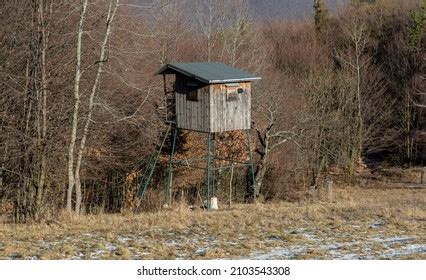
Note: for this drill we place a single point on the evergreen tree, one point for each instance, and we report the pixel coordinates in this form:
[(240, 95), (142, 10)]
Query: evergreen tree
[(417, 25), (321, 18)]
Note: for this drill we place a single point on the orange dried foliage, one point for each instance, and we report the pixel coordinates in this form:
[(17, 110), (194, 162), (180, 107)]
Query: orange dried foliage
[(130, 190), (194, 146), (6, 208), (230, 146)]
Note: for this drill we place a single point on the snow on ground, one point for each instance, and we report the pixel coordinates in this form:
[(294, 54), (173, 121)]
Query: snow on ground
[(392, 248), (307, 244), (379, 246)]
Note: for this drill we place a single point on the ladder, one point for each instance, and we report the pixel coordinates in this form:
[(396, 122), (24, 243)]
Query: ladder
[(169, 117), (170, 114), (169, 92), (146, 177)]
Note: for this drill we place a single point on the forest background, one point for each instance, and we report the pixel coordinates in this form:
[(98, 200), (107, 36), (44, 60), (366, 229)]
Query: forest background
[(342, 90)]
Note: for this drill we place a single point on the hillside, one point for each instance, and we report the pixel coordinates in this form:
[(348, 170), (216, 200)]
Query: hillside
[(287, 9)]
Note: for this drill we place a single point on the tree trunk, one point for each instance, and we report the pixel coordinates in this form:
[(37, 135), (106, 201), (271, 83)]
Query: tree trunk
[(261, 167), (42, 142), (359, 105), (102, 58), (260, 175), (73, 136), (24, 203)]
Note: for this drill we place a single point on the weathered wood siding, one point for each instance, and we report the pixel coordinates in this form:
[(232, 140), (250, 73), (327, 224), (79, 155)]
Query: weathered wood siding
[(212, 112), (193, 115), (229, 115)]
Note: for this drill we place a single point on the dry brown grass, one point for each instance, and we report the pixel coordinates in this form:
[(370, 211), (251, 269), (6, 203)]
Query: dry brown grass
[(229, 233)]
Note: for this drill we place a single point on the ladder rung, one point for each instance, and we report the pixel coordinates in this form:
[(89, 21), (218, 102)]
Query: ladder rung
[(149, 171)]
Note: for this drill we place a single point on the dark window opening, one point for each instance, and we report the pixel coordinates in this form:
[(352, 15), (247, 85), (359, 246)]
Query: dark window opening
[(192, 94)]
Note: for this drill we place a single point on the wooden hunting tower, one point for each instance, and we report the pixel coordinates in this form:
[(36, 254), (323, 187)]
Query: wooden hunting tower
[(207, 97), (210, 96)]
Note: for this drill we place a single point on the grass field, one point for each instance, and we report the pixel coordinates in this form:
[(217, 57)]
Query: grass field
[(355, 223)]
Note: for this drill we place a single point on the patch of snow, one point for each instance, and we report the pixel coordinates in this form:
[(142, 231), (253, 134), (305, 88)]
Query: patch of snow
[(393, 240), (79, 256), (124, 239), (377, 224), (110, 247), (404, 251), (352, 250), (310, 236), (279, 253), (172, 242), (242, 237), (201, 251), (96, 254), (349, 257)]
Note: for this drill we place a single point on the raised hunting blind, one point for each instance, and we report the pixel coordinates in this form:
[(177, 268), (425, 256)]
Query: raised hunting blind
[(206, 97), (210, 96)]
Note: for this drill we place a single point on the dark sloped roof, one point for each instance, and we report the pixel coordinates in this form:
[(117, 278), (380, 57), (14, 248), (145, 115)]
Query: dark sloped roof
[(209, 72)]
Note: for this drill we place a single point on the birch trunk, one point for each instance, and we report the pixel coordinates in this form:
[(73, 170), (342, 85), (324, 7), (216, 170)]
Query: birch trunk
[(73, 136), (102, 58), (359, 50), (43, 134)]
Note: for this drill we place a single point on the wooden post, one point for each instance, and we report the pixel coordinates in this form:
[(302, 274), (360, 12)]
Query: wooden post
[(312, 193), (230, 184), (214, 204), (329, 190), (169, 183)]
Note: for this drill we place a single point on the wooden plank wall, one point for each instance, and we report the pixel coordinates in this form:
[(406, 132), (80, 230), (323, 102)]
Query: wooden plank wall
[(229, 115), (193, 115), (212, 112)]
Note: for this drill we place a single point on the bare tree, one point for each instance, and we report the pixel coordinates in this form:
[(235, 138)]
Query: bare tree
[(209, 15), (74, 172), (272, 129), (237, 32), (422, 103), (354, 59), (44, 10), (73, 136), (168, 21)]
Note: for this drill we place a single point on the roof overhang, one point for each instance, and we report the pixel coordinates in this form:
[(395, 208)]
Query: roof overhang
[(165, 69)]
